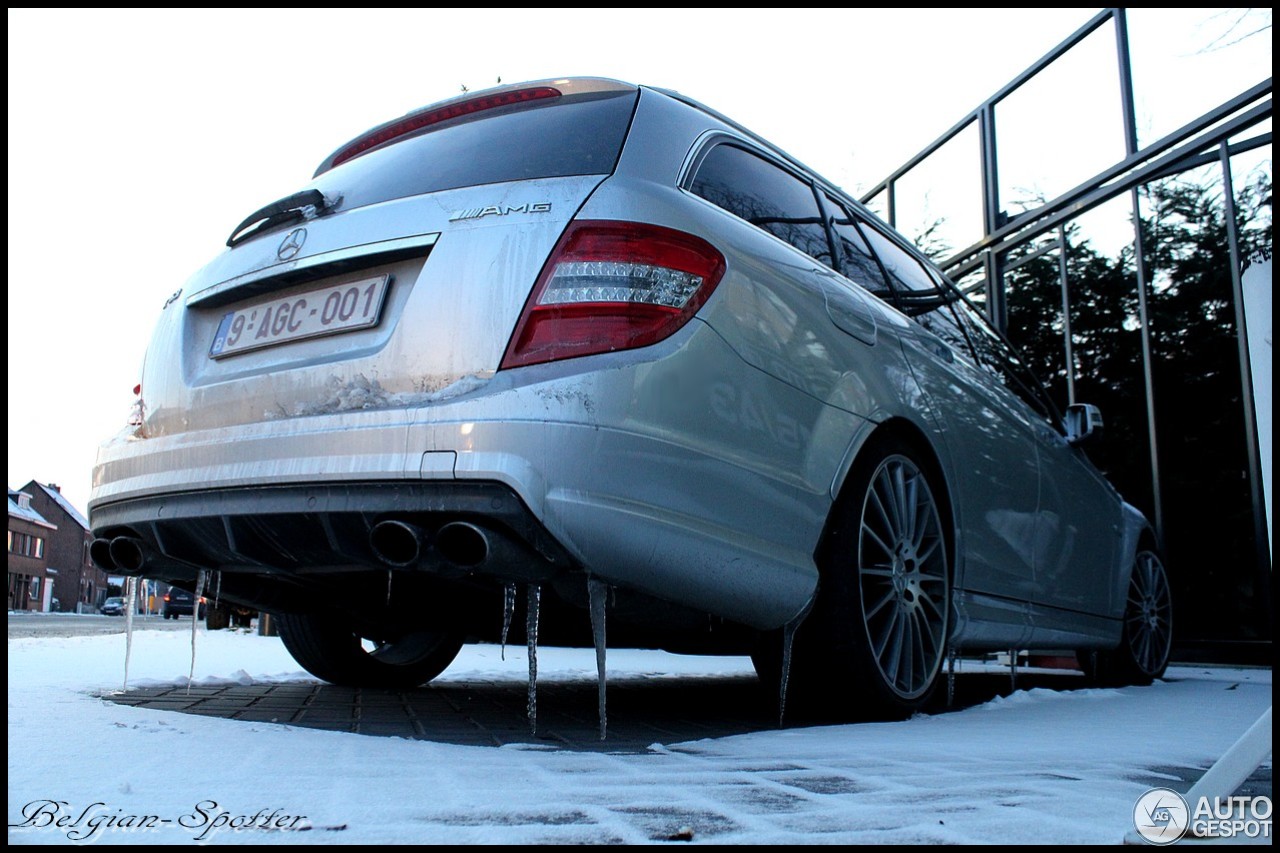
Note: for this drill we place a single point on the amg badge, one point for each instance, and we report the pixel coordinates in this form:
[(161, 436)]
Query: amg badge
[(501, 210)]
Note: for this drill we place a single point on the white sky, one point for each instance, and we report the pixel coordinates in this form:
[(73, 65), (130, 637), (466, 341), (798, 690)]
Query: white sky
[(1036, 766), (138, 139)]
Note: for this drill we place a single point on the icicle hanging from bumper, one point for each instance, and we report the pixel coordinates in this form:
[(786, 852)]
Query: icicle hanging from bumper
[(195, 623), (130, 605), (534, 593), (597, 592), (508, 609)]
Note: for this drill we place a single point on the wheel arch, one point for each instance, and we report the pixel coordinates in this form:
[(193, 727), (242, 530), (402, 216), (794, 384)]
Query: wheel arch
[(903, 430)]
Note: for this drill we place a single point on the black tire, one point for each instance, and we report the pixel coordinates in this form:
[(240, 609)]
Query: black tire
[(327, 646), (883, 605), (1147, 636)]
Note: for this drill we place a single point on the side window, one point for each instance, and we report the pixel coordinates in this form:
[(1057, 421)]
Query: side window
[(856, 261), (919, 294), (765, 195)]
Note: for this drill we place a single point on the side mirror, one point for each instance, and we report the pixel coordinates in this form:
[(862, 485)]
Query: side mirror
[(1083, 423)]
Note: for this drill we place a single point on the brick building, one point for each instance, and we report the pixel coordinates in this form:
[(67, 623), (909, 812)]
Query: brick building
[(30, 586), (78, 585)]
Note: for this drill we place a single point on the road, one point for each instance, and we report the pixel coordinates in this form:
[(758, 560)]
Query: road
[(23, 624)]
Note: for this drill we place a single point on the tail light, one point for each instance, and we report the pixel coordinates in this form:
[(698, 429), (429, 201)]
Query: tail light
[(613, 286), (166, 596)]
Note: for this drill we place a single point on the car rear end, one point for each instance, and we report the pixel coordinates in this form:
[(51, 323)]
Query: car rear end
[(435, 362)]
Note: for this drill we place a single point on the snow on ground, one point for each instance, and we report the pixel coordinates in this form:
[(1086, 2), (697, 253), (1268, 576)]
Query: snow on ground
[(1039, 766)]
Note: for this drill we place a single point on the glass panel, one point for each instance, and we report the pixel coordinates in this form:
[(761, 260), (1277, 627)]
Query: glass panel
[(1188, 61), (1036, 324), (939, 202), (1062, 126), (1106, 345), (1208, 515)]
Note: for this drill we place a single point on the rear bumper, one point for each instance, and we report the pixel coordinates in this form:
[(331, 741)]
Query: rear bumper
[(672, 471)]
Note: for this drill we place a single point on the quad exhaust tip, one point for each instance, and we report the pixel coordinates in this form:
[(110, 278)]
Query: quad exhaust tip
[(463, 543), (397, 543), (100, 554), (127, 553)]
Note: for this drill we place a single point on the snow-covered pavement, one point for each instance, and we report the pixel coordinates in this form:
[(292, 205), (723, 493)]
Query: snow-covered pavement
[(1039, 766)]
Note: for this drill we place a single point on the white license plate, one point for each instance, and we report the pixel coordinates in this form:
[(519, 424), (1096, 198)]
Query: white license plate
[(323, 311)]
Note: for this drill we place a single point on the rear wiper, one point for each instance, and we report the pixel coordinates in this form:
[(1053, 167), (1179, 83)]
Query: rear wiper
[(307, 204)]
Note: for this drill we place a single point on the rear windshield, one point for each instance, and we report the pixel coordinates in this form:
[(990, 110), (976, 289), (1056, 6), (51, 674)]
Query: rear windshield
[(578, 136)]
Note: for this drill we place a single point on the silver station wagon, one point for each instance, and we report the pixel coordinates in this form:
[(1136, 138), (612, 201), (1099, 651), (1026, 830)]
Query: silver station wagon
[(596, 345)]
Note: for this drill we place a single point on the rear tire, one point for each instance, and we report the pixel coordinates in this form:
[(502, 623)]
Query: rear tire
[(883, 607), (330, 648)]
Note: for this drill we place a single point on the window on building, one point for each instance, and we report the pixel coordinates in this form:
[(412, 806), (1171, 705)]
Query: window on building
[(26, 545)]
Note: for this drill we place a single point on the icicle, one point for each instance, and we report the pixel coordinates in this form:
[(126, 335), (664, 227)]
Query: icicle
[(1013, 670), (388, 587), (951, 675), (130, 597), (217, 590), (195, 621), (534, 593), (508, 608), (596, 593), (788, 638)]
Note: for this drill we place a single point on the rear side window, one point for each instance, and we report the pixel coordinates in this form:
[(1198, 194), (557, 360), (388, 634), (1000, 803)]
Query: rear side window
[(582, 135), (765, 195), (856, 260)]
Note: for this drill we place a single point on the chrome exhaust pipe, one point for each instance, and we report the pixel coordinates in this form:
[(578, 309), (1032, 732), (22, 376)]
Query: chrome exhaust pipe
[(463, 544), (128, 553), (397, 543), (100, 554)]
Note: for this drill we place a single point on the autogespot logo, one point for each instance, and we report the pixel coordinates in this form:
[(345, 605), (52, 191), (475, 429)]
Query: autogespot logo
[(1161, 816)]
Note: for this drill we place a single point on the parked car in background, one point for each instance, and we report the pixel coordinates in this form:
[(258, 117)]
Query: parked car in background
[(583, 336), (180, 602), (113, 606)]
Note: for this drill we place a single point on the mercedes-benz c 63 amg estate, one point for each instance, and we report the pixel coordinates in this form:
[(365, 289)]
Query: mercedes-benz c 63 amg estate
[(602, 343)]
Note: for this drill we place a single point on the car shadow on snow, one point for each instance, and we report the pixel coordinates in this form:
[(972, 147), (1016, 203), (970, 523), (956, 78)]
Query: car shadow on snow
[(641, 711)]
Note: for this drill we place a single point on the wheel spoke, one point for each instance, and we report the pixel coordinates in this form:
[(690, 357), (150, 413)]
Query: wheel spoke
[(889, 502), (898, 644), (933, 605), (927, 633), (908, 653), (883, 547), (899, 499), (883, 513), (884, 636), (890, 595), (923, 556), (911, 508)]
